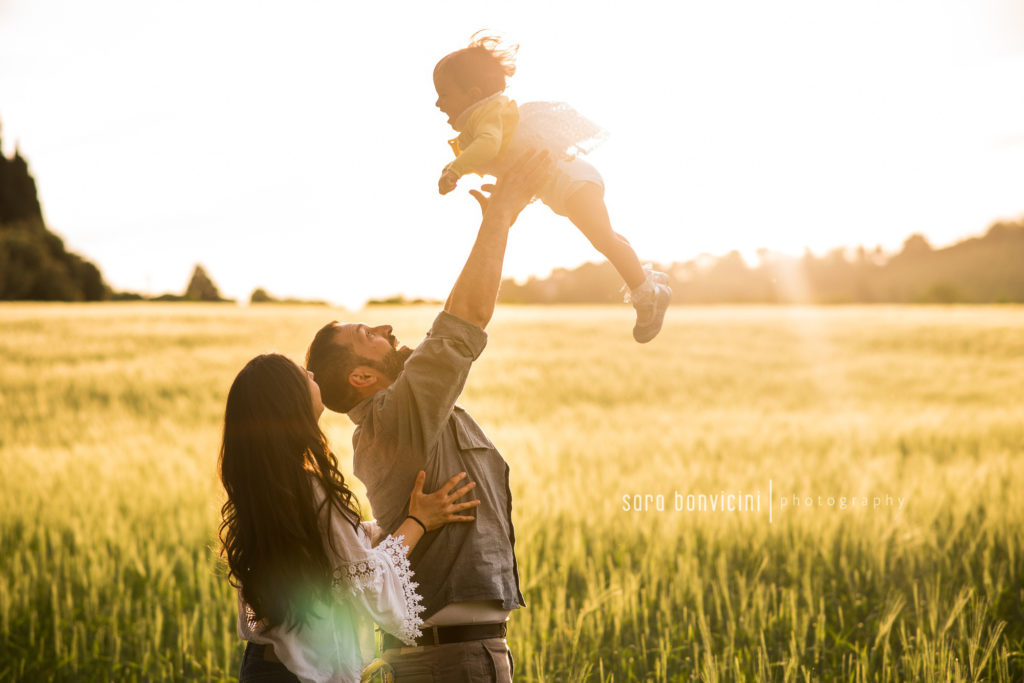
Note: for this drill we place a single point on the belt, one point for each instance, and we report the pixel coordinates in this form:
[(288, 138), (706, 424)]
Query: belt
[(442, 635)]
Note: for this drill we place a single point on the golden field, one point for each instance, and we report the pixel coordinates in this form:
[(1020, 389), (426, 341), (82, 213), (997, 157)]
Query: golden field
[(110, 424)]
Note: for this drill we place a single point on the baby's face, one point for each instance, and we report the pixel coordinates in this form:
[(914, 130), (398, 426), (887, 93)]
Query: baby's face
[(451, 99)]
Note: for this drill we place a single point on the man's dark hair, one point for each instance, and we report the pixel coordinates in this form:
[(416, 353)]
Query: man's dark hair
[(331, 363)]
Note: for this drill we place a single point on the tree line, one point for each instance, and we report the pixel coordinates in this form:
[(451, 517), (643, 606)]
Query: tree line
[(986, 269), (34, 264)]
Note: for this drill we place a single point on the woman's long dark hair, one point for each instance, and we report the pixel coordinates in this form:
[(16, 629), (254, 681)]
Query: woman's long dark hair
[(269, 530)]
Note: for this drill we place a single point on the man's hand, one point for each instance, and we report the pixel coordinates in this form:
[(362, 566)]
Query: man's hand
[(474, 293), (517, 188), (483, 199), (447, 182)]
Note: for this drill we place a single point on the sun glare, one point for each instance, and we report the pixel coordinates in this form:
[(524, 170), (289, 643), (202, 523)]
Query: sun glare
[(733, 127)]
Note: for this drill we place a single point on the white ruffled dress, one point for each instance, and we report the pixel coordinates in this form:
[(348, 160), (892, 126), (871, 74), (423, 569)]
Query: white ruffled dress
[(558, 128), (566, 135)]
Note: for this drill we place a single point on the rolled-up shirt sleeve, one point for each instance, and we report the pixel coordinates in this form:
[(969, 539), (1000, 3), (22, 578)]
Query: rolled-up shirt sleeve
[(416, 407)]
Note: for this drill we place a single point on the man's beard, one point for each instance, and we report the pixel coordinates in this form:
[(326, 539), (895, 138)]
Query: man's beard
[(394, 362)]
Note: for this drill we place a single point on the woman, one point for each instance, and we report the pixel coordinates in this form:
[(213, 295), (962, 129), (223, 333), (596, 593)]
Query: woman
[(309, 574)]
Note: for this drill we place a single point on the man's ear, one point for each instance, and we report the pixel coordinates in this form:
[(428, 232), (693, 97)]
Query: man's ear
[(362, 377)]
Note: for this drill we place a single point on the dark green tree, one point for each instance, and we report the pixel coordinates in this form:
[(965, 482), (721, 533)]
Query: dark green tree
[(34, 264), (260, 296), (201, 287)]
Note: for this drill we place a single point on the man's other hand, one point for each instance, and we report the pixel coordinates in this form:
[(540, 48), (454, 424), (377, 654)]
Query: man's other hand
[(520, 184), (483, 199)]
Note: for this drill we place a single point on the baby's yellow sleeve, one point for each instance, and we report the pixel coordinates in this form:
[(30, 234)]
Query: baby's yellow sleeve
[(485, 146)]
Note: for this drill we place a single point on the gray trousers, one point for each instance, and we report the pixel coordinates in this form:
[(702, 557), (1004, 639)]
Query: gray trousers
[(474, 661)]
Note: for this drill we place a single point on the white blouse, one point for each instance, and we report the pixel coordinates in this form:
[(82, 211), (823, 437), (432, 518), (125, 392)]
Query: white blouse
[(372, 584)]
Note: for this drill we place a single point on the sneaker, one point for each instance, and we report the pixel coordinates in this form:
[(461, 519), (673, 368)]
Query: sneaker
[(650, 309)]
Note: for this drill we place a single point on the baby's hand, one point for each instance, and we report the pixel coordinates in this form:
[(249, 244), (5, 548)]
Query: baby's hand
[(447, 182)]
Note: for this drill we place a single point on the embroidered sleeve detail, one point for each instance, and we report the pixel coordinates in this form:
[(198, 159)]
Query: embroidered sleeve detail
[(368, 576)]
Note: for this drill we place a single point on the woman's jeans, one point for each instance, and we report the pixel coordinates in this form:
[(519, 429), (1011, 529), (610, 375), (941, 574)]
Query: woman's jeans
[(255, 669)]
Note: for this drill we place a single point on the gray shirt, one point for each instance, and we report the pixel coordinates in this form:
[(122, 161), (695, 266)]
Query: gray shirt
[(415, 425)]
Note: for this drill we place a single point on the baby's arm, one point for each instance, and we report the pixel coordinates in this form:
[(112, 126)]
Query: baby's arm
[(447, 181), (485, 146)]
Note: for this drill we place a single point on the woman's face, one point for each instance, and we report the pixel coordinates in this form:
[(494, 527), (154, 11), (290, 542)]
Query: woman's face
[(314, 394)]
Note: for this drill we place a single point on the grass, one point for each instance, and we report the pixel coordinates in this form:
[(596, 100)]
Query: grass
[(109, 428)]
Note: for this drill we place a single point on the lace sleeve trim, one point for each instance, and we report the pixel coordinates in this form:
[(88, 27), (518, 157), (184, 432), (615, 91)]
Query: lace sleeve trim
[(368, 575)]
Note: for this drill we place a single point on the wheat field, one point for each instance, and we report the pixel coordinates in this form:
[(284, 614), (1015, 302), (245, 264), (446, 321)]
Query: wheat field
[(869, 455)]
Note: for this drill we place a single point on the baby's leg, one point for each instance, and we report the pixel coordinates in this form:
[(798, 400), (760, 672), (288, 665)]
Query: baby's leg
[(586, 209)]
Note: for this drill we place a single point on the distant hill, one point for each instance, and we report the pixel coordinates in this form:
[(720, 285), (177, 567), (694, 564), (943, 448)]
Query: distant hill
[(34, 265), (987, 269)]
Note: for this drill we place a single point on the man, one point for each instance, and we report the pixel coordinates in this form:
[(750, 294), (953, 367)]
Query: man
[(403, 403)]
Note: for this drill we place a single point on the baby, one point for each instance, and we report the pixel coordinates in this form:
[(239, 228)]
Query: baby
[(494, 130)]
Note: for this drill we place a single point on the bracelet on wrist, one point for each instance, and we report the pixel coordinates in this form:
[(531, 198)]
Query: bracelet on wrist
[(415, 519)]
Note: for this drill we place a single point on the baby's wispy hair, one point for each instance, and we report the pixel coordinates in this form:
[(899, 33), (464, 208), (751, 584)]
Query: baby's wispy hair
[(485, 63)]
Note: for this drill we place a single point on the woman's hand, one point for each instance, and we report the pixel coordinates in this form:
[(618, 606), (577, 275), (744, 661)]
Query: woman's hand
[(436, 509)]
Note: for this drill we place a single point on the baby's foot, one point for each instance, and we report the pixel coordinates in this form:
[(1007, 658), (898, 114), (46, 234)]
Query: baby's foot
[(651, 300)]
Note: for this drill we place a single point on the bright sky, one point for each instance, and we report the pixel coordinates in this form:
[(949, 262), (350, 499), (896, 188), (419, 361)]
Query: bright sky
[(295, 146)]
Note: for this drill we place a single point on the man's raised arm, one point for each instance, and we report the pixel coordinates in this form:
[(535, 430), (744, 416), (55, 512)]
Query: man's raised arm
[(475, 292)]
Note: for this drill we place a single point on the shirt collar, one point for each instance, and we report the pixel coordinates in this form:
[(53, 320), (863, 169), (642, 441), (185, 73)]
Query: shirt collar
[(463, 118), (359, 411)]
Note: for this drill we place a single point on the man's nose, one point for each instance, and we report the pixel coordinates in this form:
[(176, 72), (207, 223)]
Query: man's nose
[(384, 330)]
